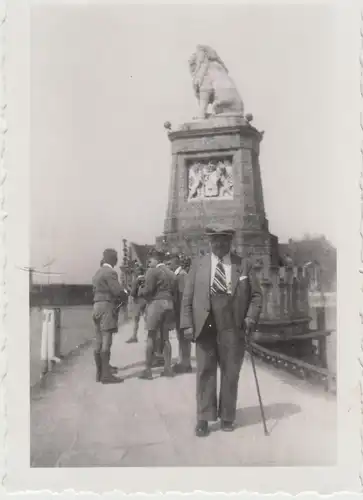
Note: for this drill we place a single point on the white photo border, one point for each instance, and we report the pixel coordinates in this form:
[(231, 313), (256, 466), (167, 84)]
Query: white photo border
[(17, 476)]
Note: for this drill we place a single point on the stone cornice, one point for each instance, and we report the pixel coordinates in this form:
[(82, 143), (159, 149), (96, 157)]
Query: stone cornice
[(242, 130)]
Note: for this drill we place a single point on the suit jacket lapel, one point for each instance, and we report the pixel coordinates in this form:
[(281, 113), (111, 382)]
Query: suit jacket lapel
[(235, 272), (204, 277)]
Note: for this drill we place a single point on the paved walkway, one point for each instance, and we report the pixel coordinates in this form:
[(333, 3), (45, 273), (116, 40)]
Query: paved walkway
[(76, 422)]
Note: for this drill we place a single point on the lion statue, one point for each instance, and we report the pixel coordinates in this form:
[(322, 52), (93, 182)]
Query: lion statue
[(212, 84)]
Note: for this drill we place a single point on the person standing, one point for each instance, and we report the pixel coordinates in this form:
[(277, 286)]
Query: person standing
[(139, 305), (186, 263), (221, 305), (184, 365), (160, 292), (108, 297)]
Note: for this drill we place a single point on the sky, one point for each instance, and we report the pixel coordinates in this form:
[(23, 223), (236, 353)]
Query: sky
[(104, 79)]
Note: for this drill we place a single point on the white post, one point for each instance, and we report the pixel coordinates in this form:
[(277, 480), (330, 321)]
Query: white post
[(48, 344), (44, 343), (51, 338)]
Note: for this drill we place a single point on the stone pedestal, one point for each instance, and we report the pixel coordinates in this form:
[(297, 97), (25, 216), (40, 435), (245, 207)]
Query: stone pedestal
[(215, 177)]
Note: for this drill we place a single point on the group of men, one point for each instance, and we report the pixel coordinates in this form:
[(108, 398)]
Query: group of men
[(157, 296), (216, 305)]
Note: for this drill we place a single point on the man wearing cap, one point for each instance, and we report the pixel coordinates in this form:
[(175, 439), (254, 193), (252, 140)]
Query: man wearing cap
[(160, 292), (184, 365), (221, 305), (108, 297)]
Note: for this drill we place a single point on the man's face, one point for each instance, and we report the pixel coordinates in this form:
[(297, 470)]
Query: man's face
[(220, 244), (153, 262)]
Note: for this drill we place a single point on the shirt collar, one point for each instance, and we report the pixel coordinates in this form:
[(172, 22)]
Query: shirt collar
[(105, 264), (177, 271), (226, 259), (160, 264)]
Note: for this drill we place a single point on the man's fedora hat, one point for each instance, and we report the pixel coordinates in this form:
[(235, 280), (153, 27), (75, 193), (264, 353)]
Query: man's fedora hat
[(216, 229)]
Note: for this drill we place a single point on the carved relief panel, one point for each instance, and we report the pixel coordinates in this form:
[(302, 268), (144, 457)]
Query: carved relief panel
[(210, 179)]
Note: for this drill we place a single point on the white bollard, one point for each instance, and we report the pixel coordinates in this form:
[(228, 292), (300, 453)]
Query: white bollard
[(44, 342), (49, 345), (51, 337)]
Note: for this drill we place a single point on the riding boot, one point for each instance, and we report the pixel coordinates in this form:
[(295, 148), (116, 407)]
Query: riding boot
[(106, 375), (147, 373), (167, 372), (158, 352), (98, 363), (113, 369)]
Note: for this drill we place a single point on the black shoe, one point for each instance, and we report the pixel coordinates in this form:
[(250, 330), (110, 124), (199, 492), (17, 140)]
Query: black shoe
[(158, 362), (110, 379), (202, 429), (179, 369), (146, 374), (227, 426), (131, 340), (167, 373)]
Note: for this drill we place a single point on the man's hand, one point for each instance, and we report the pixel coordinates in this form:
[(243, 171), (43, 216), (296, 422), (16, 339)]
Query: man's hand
[(249, 326), (189, 334)]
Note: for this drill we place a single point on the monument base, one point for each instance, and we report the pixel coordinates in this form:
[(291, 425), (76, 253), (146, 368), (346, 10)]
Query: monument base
[(216, 178), (260, 247)]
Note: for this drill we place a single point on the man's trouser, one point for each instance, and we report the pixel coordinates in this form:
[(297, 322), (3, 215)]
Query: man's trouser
[(184, 346), (159, 321), (105, 319), (139, 309), (220, 343)]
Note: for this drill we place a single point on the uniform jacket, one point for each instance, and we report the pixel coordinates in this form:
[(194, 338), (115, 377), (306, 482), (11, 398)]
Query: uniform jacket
[(160, 283), (245, 300), (135, 292), (106, 286)]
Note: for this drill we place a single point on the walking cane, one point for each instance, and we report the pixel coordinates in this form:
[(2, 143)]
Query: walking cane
[(249, 350)]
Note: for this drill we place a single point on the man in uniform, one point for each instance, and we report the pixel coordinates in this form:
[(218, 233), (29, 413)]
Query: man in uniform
[(184, 365), (160, 292), (186, 263), (139, 305), (220, 308), (108, 297)]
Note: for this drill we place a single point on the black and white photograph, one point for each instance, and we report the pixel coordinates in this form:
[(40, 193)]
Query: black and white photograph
[(181, 273)]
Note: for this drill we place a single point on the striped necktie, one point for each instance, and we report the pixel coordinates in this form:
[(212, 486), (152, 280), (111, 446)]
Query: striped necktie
[(219, 282)]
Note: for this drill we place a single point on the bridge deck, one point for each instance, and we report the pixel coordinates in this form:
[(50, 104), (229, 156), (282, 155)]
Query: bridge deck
[(76, 422)]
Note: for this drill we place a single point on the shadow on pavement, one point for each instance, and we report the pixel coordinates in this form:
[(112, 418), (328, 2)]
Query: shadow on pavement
[(252, 415), (141, 365)]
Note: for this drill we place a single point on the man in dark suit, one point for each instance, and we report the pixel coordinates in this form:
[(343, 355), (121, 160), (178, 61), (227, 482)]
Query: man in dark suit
[(160, 292), (108, 297), (184, 365), (139, 305), (221, 305)]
